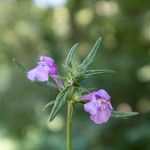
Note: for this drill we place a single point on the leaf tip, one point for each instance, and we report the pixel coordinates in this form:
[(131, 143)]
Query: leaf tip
[(76, 44), (50, 118), (14, 60), (114, 72), (99, 39)]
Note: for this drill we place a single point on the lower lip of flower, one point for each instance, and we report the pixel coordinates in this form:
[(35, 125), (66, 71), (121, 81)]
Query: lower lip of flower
[(100, 100)]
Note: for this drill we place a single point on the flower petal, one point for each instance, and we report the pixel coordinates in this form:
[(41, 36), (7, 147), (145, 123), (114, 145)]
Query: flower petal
[(53, 71), (91, 107), (47, 60), (102, 116), (38, 73), (88, 96), (109, 105), (103, 94)]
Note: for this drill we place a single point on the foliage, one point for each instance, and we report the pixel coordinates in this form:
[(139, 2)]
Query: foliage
[(27, 31)]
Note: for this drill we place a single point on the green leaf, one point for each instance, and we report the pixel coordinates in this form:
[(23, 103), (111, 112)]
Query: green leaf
[(70, 54), (21, 67), (48, 104), (60, 100), (90, 73), (91, 56), (119, 114)]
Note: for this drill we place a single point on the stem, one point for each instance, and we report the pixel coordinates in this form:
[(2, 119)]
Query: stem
[(69, 124)]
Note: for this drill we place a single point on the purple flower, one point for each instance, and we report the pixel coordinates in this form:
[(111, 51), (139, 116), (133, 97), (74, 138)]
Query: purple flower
[(99, 106), (46, 67)]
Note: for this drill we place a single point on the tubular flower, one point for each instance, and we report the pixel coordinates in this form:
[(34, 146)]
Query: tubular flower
[(98, 106), (45, 67)]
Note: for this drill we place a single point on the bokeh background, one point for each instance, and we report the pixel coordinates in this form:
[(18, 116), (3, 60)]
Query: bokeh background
[(50, 27)]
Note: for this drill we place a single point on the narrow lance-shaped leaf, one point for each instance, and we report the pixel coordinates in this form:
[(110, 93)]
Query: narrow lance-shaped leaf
[(91, 56), (48, 104), (90, 73), (70, 54), (20, 66), (60, 100), (118, 114)]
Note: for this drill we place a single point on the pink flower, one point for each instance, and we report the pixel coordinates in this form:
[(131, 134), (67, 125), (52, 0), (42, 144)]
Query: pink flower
[(99, 106), (46, 67)]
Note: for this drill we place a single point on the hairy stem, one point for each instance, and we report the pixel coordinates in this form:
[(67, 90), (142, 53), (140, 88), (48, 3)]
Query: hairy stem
[(69, 124)]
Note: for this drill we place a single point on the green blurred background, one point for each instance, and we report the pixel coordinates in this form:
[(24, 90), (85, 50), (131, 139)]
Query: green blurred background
[(50, 27)]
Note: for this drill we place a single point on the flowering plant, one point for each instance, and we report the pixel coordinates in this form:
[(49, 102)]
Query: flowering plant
[(96, 103)]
